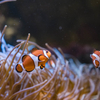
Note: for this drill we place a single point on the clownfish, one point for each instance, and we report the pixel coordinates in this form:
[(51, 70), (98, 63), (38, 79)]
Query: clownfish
[(96, 58), (33, 59)]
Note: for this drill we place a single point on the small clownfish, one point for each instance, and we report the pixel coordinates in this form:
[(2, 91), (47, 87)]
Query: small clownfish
[(96, 58), (33, 59)]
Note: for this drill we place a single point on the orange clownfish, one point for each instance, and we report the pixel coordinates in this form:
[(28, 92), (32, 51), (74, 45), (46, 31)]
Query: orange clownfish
[(96, 58), (33, 59)]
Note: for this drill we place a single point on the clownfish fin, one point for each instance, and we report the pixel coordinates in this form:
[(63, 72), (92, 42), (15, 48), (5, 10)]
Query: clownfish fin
[(44, 65), (41, 58), (18, 68), (23, 57), (41, 67), (97, 62), (94, 50), (34, 49), (96, 66)]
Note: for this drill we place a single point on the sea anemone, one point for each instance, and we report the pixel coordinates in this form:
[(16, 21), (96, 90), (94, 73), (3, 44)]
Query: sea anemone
[(38, 84), (61, 79)]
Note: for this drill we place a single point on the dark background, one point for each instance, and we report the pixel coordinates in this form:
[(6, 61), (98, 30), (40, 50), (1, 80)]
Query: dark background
[(73, 25)]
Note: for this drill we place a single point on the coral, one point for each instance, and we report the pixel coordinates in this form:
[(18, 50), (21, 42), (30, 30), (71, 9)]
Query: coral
[(61, 79)]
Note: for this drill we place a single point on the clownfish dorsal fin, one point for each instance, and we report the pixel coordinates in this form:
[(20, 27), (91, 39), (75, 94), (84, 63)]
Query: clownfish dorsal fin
[(41, 58), (94, 50), (34, 49), (23, 57)]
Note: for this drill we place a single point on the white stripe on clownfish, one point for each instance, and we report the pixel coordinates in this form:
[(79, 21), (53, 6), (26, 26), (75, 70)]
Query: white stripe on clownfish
[(44, 51), (97, 57), (94, 63), (22, 66), (34, 58)]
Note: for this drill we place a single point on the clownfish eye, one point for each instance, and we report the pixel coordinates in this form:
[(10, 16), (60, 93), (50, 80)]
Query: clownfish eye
[(46, 51)]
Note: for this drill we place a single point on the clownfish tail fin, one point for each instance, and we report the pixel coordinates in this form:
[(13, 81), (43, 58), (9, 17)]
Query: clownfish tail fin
[(18, 68)]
